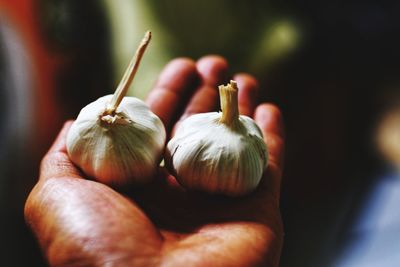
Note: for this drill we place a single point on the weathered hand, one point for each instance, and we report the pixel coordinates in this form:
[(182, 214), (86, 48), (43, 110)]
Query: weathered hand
[(79, 222)]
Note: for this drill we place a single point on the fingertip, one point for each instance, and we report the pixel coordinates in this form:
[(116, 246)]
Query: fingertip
[(176, 74), (182, 62), (56, 162), (213, 69), (216, 59), (248, 93), (246, 79), (67, 125), (269, 106), (174, 86), (269, 118), (59, 143)]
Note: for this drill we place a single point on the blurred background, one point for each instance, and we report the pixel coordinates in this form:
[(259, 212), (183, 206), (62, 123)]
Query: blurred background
[(332, 66)]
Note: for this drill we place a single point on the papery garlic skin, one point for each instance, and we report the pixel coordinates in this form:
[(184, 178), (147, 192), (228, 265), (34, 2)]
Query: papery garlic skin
[(115, 149), (211, 156)]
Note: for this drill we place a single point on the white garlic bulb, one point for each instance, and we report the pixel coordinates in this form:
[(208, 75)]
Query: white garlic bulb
[(117, 139), (218, 152)]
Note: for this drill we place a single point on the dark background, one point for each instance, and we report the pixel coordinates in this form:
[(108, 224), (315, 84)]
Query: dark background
[(333, 89)]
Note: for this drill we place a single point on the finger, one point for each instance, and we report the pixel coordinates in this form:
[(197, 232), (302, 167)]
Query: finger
[(269, 119), (248, 93), (56, 162), (212, 70), (173, 85)]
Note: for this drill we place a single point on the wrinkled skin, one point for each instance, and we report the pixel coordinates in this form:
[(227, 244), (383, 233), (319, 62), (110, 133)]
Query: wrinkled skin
[(80, 222)]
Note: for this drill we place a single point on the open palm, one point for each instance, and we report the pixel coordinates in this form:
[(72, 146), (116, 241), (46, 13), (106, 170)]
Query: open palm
[(79, 222)]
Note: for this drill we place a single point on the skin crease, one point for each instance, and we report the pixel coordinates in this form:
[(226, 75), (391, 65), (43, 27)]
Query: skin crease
[(79, 222)]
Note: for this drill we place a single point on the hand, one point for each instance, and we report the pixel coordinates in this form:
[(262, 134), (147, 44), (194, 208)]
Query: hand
[(80, 222)]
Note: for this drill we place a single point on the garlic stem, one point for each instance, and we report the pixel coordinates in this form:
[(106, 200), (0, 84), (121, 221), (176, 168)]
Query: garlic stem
[(129, 74), (229, 103)]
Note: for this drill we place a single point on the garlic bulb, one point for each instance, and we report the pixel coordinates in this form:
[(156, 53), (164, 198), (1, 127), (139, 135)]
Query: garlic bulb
[(117, 139), (218, 152)]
